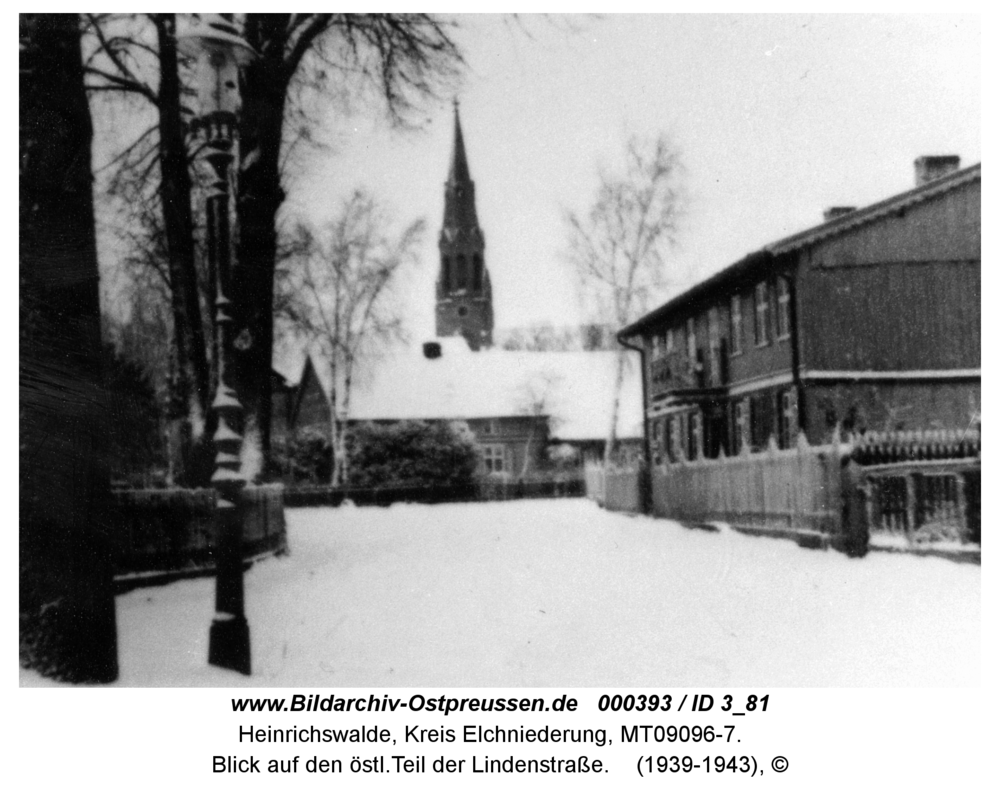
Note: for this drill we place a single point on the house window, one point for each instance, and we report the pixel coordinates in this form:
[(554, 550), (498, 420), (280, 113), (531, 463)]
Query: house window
[(788, 419), (657, 348), (495, 458), (762, 314), (692, 345), (715, 363), (490, 427), (735, 325), (669, 340), (695, 435), (669, 439), (678, 429), (741, 425), (784, 310)]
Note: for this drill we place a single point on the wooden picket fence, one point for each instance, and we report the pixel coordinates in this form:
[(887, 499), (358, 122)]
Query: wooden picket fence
[(794, 492)]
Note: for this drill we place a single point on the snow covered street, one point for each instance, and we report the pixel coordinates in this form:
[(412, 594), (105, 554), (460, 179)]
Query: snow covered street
[(545, 593)]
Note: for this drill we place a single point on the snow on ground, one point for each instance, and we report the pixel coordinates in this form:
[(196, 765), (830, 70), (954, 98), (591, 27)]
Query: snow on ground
[(546, 593)]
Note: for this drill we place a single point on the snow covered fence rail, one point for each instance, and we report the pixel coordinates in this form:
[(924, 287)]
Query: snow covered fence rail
[(486, 489), (166, 532)]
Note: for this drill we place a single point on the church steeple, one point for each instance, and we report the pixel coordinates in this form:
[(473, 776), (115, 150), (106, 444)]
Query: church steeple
[(464, 294)]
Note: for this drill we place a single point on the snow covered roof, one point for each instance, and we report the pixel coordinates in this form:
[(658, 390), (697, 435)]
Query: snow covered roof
[(574, 389)]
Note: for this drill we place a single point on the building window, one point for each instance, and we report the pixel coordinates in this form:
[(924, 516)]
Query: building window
[(715, 363), (741, 425), (461, 273), (762, 314), (695, 435), (490, 427), (669, 341), (657, 348), (735, 325), (788, 426), (692, 345), (669, 439), (678, 430), (784, 308), (495, 458)]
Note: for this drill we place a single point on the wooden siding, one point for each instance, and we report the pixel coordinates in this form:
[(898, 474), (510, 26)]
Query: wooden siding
[(891, 316), (942, 228)]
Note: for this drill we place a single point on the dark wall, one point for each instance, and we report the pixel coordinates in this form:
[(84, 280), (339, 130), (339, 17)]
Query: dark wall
[(890, 406), (892, 316), (900, 294)]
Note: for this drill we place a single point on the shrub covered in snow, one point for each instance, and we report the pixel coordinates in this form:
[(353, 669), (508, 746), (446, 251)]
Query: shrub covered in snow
[(410, 453), (414, 453)]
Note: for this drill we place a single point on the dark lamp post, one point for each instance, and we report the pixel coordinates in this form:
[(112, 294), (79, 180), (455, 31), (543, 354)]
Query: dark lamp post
[(216, 44)]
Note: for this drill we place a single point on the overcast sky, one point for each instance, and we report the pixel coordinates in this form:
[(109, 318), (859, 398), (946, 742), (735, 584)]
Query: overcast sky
[(776, 118)]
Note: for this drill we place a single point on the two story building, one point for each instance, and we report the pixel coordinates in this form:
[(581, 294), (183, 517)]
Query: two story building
[(868, 321)]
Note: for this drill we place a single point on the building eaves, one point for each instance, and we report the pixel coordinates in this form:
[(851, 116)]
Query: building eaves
[(873, 212), (757, 260)]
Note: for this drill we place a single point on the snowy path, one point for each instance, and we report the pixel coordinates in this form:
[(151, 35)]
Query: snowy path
[(544, 593)]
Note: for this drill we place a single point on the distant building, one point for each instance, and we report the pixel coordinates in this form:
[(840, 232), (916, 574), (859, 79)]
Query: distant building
[(869, 321), (517, 404), (464, 294)]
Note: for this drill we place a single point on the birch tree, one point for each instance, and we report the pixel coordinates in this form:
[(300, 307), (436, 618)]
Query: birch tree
[(336, 288), (618, 247)]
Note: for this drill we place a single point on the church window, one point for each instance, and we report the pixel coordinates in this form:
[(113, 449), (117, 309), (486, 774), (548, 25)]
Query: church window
[(461, 275), (477, 273), (446, 272)]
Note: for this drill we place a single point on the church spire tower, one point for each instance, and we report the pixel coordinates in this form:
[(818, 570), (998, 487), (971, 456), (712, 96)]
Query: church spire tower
[(464, 294)]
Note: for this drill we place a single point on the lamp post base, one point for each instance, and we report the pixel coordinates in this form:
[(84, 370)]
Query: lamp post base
[(229, 643)]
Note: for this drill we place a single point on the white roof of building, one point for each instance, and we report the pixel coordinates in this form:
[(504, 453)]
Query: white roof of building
[(575, 389)]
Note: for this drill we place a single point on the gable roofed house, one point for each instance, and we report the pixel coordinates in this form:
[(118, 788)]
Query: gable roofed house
[(867, 321), (516, 403)]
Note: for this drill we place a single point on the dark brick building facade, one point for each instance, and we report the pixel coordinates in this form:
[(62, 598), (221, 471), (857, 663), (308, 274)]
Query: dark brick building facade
[(869, 321)]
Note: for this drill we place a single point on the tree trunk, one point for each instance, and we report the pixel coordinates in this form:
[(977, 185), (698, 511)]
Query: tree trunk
[(609, 446), (259, 196), (192, 397), (67, 608)]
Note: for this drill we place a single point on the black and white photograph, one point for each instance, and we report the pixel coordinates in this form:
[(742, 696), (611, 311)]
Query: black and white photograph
[(374, 351)]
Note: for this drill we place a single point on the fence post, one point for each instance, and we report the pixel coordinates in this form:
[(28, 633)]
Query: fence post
[(856, 510), (961, 507), (911, 505)]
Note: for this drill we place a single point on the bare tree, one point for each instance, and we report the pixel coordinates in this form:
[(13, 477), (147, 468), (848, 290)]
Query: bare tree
[(536, 399), (336, 288), (136, 56), (618, 248), (401, 59)]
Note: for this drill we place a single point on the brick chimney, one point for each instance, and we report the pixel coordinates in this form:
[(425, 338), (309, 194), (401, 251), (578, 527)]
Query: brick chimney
[(929, 168), (831, 213)]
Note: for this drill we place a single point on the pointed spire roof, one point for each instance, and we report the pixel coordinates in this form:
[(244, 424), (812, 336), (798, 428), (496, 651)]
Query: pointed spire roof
[(459, 171), (459, 190)]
